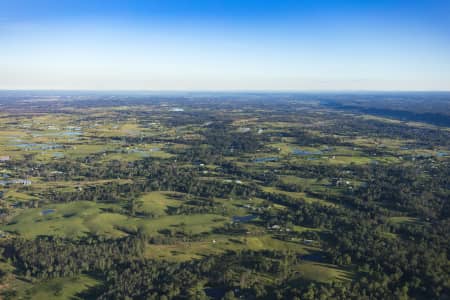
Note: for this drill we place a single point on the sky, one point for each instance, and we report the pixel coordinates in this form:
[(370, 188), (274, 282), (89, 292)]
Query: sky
[(273, 45)]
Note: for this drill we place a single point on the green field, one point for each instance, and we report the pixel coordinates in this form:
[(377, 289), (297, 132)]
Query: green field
[(59, 289)]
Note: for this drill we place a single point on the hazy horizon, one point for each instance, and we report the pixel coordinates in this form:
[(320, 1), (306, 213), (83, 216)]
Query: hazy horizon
[(262, 91), (270, 46)]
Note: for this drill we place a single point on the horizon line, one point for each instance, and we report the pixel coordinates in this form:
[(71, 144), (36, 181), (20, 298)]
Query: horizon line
[(230, 90)]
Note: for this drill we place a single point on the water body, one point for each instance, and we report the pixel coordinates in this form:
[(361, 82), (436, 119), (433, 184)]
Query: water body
[(15, 181), (144, 153), (315, 256), (33, 146), (71, 133), (215, 292), (305, 152), (58, 155), (265, 159), (57, 133), (311, 158), (244, 219), (47, 211)]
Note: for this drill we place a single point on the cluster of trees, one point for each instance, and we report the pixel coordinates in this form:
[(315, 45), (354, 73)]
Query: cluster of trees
[(52, 257), (125, 273), (401, 260), (377, 129), (388, 268)]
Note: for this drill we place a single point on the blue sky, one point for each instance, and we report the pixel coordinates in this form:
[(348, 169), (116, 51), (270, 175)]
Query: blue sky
[(225, 45)]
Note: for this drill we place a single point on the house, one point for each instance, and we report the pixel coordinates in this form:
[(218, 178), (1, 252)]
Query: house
[(244, 129), (21, 181), (5, 158)]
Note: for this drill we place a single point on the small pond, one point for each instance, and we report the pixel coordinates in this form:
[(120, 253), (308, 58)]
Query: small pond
[(243, 219), (305, 152), (33, 146), (47, 211), (314, 256), (265, 159)]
